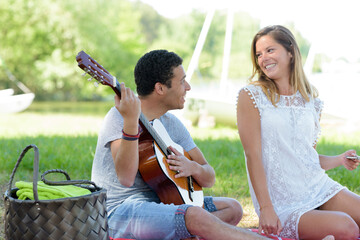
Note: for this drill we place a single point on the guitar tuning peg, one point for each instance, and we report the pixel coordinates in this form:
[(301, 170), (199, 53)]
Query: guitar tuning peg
[(89, 79), (96, 84), (83, 74)]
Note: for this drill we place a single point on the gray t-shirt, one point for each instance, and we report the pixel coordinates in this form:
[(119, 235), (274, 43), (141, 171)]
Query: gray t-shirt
[(103, 170)]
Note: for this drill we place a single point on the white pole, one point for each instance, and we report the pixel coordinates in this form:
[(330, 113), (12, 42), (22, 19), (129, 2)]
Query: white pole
[(227, 48), (199, 45)]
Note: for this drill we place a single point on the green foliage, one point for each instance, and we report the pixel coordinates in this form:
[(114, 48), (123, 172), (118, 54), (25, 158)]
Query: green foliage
[(244, 31), (39, 40), (180, 35), (303, 44), (150, 21)]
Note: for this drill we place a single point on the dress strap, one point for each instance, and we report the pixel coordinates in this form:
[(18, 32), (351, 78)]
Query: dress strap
[(254, 95)]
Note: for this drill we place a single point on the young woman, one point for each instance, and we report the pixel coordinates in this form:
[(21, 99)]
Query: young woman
[(278, 118)]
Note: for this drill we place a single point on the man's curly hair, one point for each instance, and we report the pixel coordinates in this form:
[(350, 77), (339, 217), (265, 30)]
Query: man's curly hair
[(155, 66)]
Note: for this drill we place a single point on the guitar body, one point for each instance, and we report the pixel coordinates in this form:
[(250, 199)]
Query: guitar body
[(153, 143), (156, 172)]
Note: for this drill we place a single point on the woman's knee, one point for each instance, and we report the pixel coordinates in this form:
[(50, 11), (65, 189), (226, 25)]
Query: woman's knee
[(347, 228), (352, 231)]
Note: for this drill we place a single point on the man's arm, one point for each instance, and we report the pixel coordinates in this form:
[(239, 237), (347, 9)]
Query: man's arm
[(203, 173), (126, 160), (125, 153)]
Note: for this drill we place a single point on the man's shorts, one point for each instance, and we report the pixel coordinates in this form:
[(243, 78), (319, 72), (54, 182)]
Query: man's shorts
[(139, 219)]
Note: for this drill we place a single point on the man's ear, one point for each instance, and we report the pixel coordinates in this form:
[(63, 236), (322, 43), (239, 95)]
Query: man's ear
[(159, 88)]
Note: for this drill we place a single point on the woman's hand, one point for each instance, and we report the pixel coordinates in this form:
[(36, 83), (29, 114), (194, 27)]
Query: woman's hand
[(269, 222), (350, 164)]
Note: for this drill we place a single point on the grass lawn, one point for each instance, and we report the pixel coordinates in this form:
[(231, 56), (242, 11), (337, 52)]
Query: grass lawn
[(68, 140)]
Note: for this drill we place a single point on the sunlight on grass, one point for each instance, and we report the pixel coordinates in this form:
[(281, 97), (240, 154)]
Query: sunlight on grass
[(221, 132), (34, 124), (340, 130)]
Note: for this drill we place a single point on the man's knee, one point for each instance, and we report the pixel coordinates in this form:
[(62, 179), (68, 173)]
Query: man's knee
[(237, 211), (197, 220), (229, 210)]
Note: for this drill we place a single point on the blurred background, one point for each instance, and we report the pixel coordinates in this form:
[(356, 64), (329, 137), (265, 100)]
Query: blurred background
[(39, 40)]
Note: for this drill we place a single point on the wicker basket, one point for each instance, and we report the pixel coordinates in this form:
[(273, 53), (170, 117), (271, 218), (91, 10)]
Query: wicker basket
[(82, 217)]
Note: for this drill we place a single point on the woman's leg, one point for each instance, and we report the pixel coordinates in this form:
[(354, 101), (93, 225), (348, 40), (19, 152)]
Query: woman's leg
[(340, 216), (345, 201), (317, 224)]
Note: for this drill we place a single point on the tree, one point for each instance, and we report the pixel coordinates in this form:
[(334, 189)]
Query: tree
[(40, 39)]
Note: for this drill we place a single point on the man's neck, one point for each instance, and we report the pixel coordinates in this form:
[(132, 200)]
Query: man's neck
[(152, 109)]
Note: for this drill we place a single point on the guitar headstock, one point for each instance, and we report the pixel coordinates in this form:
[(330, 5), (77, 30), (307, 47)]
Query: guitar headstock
[(95, 70)]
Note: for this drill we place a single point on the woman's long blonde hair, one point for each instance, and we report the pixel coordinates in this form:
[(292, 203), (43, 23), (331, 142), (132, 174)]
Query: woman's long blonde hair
[(298, 80)]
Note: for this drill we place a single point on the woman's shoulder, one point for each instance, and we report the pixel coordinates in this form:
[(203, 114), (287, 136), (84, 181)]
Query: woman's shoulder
[(250, 94), (252, 89), (317, 100), (318, 103)]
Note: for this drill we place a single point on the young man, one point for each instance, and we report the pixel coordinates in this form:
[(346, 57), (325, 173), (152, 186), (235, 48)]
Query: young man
[(134, 209)]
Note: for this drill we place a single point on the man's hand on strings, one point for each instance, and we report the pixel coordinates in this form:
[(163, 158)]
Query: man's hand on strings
[(179, 163)]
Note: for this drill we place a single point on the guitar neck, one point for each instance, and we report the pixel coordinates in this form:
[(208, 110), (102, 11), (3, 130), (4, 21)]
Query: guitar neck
[(117, 88)]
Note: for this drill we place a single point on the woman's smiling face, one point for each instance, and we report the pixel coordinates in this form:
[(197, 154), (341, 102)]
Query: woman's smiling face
[(273, 59)]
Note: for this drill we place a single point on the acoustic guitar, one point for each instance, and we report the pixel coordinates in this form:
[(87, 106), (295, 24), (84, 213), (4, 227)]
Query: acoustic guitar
[(154, 145)]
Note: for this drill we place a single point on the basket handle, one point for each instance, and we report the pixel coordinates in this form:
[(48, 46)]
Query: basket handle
[(35, 169), (67, 182)]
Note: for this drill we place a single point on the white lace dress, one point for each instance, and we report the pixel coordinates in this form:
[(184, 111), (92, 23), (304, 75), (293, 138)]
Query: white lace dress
[(295, 179)]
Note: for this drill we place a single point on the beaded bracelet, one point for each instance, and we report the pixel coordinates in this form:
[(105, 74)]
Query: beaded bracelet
[(129, 137)]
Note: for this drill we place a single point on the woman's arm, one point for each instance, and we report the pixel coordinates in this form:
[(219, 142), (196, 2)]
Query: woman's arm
[(330, 162), (248, 122)]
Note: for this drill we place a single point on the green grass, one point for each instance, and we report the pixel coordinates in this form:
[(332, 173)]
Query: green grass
[(67, 140), (71, 153)]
